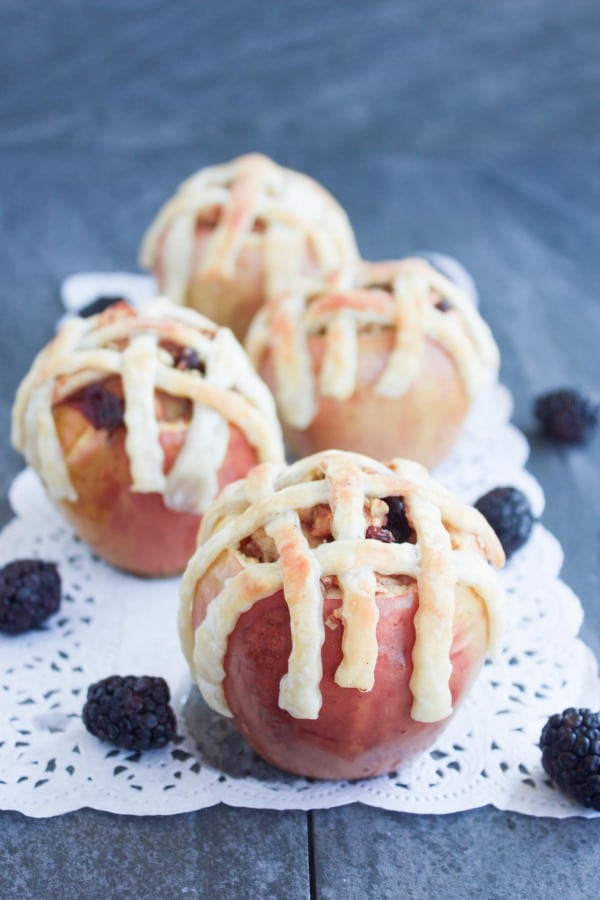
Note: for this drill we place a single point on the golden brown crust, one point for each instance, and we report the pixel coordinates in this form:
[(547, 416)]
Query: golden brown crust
[(385, 362), (133, 531), (128, 345), (238, 233), (423, 428), (452, 543), (358, 734)]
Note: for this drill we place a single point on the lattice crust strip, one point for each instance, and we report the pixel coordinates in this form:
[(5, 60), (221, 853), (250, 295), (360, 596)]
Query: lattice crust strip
[(296, 215), (453, 542), (127, 344), (488, 754), (409, 298)]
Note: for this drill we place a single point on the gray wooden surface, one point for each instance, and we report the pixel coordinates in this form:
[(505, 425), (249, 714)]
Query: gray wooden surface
[(471, 128)]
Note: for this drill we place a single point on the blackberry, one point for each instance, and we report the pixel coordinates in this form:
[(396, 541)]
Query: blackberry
[(184, 357), (567, 415), (101, 407), (99, 305), (30, 591), (570, 745), (508, 511), (397, 522), (131, 712)]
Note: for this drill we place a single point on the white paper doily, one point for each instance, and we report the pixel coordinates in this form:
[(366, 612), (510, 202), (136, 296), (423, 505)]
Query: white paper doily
[(113, 623)]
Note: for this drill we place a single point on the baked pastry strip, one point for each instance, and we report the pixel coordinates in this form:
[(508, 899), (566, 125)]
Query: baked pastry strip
[(452, 542), (294, 213), (401, 297), (90, 350)]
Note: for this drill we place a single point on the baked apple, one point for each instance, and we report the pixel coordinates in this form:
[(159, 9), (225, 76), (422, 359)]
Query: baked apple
[(400, 344), (235, 234), (338, 610), (135, 420)]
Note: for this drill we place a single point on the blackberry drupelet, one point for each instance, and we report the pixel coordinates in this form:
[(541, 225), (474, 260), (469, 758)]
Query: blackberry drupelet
[(570, 745), (567, 415), (508, 512), (30, 591), (102, 408), (131, 712), (397, 521)]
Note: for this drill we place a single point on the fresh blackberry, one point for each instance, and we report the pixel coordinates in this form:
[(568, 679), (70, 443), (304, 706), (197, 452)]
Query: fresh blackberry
[(570, 745), (99, 305), (567, 415), (130, 711), (397, 521), (508, 511), (30, 591)]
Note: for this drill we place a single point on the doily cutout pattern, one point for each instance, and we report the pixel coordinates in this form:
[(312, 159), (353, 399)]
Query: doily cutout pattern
[(110, 622)]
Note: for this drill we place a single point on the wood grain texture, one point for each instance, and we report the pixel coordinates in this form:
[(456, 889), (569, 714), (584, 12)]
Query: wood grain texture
[(427, 76), (483, 853), (215, 853)]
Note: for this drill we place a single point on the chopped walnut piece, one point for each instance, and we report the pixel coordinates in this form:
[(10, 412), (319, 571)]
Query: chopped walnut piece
[(334, 620), (376, 512), (374, 533), (390, 585), (316, 524), (168, 408), (330, 584), (259, 546)]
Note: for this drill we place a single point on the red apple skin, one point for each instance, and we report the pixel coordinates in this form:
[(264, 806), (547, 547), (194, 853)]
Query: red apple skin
[(132, 531), (231, 301), (358, 734), (421, 424)]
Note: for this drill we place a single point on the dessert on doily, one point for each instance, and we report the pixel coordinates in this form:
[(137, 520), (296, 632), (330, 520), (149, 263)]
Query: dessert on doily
[(488, 754), (134, 420), (384, 363), (339, 609), (238, 233)]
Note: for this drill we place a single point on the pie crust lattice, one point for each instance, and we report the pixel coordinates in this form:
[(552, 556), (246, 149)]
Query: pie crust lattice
[(403, 296), (126, 343), (251, 201), (453, 544)]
